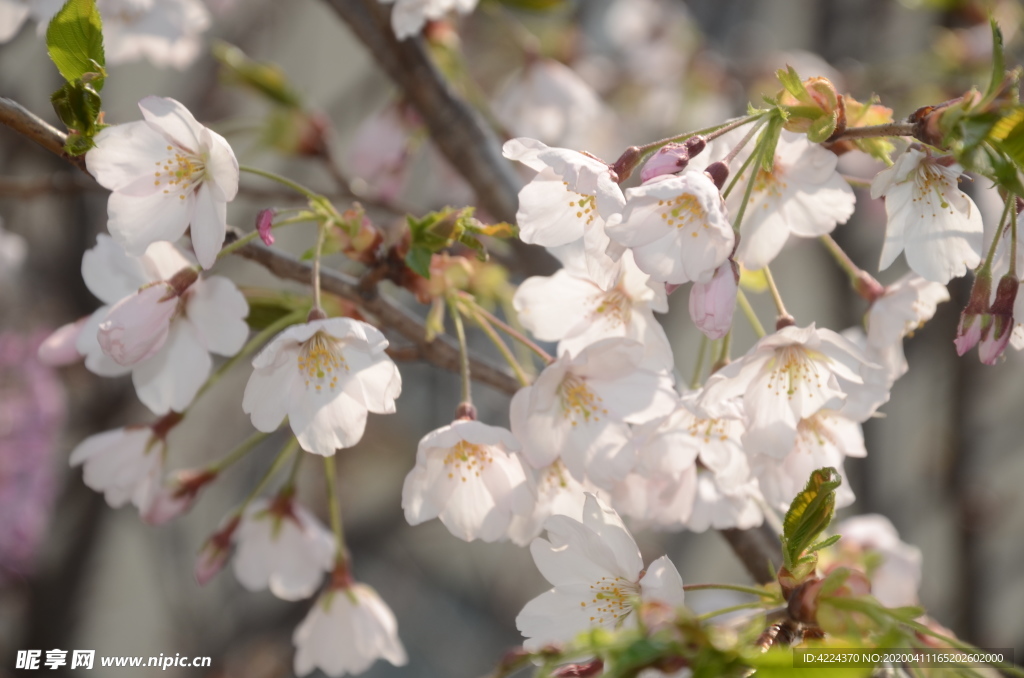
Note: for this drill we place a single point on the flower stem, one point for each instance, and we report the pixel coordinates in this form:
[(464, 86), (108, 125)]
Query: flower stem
[(731, 587), (254, 343), (1013, 239), (297, 187), (238, 453), (460, 332), (987, 265), (321, 232), (500, 345), (748, 311), (723, 355), (699, 368), (512, 332), (335, 501), (279, 461), (776, 297), (709, 133), (249, 237), (727, 610)]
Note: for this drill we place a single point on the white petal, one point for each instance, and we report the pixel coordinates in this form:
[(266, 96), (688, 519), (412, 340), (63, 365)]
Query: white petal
[(173, 120), (138, 221), (209, 224), (171, 378), (218, 309)]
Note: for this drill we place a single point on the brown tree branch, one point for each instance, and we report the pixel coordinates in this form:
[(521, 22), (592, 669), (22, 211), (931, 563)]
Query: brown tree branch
[(31, 126)]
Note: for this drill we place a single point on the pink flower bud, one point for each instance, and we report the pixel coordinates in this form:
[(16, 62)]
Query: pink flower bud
[(177, 496), (215, 552), (713, 303), (137, 327), (669, 159), (975, 315), (994, 341), (265, 222), (59, 348)]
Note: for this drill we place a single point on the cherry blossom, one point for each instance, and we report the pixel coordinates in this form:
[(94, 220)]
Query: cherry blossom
[(167, 173), (409, 16), (547, 100), (125, 464), (281, 546), (346, 631), (207, 318), (324, 375), (571, 308), (905, 306), (691, 471), (569, 200), (466, 474), (936, 224), (676, 227), (598, 577), (785, 377), (803, 195), (549, 491), (580, 406), (713, 303)]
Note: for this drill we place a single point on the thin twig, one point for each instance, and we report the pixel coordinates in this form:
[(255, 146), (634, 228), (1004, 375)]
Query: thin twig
[(29, 125)]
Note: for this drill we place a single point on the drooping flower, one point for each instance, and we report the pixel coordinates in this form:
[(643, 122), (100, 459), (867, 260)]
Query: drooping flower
[(324, 375), (676, 227), (549, 491), (346, 631), (713, 303), (784, 378), (570, 199), (208, 317), (936, 224), (466, 474), (598, 577), (409, 16), (281, 546), (580, 406), (125, 464), (167, 173), (571, 308)]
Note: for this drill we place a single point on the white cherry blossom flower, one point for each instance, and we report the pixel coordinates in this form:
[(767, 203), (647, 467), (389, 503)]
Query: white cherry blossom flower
[(676, 227), (466, 474), (570, 199), (549, 491), (580, 406), (936, 224), (598, 577), (409, 16), (691, 472), (125, 464), (572, 309), (281, 546), (824, 439), (547, 100), (167, 173), (346, 631), (803, 195), (905, 306), (324, 375), (208, 318), (784, 378)]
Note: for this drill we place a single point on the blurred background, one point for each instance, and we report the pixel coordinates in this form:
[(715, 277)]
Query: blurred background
[(945, 463)]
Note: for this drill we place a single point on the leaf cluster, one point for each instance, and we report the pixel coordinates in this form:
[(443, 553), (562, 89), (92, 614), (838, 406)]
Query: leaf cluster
[(74, 41)]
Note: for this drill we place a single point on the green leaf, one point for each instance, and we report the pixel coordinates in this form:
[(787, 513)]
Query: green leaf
[(74, 40), (822, 128), (824, 543), (810, 513), (418, 259), (769, 139), (794, 85), (998, 60)]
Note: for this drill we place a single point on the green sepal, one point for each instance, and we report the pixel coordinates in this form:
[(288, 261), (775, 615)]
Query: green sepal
[(795, 86), (418, 259), (822, 128), (78, 106), (809, 515), (74, 40), (769, 139)]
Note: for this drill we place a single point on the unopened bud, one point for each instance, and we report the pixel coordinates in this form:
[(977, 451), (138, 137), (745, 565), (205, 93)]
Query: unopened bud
[(214, 553), (668, 159), (264, 224), (718, 172), (975, 315), (713, 303)]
